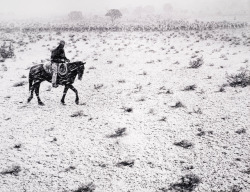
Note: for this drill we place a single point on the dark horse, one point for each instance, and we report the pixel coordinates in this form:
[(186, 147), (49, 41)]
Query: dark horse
[(38, 74)]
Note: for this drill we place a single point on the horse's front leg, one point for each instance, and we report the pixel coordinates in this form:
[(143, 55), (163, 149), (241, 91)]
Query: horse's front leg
[(37, 86), (64, 94), (76, 92)]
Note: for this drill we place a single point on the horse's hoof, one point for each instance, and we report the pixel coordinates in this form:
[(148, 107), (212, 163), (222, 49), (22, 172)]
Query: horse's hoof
[(29, 99), (41, 103), (63, 103), (77, 102)]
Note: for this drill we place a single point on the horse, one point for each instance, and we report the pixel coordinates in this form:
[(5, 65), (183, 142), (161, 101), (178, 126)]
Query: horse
[(38, 74)]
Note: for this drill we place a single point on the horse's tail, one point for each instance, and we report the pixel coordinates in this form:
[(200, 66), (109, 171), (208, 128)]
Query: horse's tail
[(30, 80)]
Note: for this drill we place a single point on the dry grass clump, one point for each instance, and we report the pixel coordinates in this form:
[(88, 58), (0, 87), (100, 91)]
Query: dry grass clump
[(78, 114), (197, 110), (240, 79), (196, 63), (98, 86), (86, 188)]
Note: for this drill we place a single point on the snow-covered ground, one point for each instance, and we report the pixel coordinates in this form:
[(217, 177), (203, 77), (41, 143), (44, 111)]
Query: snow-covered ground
[(132, 81)]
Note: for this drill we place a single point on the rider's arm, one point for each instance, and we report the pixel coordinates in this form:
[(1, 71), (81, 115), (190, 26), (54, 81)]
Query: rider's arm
[(63, 55)]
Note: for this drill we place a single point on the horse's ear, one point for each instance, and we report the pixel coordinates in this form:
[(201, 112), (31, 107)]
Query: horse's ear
[(83, 63)]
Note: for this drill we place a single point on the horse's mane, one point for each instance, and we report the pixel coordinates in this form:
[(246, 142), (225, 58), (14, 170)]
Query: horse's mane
[(75, 64)]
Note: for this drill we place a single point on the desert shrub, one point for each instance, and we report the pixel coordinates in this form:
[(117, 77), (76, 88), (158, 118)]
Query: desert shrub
[(184, 143), (178, 105), (70, 168), (128, 109), (190, 88), (129, 163), (151, 111), (240, 79), (86, 188), (141, 99), (240, 131), (197, 110), (163, 119), (196, 63), (98, 86), (188, 183), (17, 146), (221, 89), (14, 170), (235, 188), (118, 133), (78, 114), (3, 67), (91, 68), (121, 81), (19, 84)]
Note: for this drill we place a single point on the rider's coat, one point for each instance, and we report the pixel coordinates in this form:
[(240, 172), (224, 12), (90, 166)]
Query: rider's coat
[(58, 55)]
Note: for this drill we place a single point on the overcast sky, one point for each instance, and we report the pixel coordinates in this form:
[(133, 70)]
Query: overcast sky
[(41, 8)]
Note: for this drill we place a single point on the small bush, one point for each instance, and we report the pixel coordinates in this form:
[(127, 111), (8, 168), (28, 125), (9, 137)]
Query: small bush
[(240, 79), (196, 63)]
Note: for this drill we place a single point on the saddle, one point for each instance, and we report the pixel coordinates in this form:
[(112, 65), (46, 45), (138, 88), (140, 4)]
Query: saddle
[(61, 70)]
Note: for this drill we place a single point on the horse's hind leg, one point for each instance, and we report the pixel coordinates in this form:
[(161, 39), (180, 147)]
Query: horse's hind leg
[(31, 94), (37, 94), (76, 92), (64, 94)]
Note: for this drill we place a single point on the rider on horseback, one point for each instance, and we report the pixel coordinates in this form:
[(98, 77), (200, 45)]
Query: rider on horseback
[(57, 57)]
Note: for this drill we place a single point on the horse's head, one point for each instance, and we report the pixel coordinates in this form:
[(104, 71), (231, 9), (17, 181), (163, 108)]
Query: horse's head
[(80, 69)]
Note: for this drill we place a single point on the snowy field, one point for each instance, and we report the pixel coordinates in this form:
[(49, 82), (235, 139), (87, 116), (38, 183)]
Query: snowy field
[(146, 121)]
